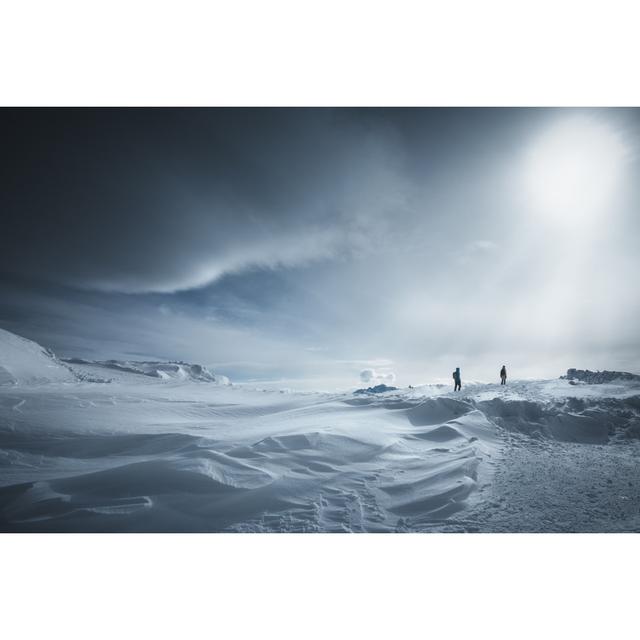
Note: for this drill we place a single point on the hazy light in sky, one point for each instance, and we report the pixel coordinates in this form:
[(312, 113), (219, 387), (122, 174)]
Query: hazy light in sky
[(326, 246), (575, 179), (573, 169)]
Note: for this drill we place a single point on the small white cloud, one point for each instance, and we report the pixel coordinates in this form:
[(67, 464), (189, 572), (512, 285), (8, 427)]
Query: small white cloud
[(369, 376)]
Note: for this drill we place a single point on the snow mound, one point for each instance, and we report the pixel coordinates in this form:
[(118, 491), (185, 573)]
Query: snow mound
[(587, 421), (24, 362), (437, 410)]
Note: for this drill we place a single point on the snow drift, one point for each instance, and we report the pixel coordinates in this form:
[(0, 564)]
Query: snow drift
[(156, 449)]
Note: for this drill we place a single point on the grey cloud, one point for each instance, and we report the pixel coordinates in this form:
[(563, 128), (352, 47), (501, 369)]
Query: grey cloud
[(282, 243), (167, 200), (371, 376)]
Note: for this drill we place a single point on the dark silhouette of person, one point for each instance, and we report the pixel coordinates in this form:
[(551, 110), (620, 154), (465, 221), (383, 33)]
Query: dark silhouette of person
[(457, 385), (503, 375)]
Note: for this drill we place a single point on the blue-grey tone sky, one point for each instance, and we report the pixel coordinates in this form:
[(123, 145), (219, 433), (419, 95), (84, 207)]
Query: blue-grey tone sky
[(302, 246)]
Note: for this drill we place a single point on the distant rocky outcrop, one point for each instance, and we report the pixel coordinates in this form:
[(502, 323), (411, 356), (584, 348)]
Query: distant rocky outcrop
[(379, 388), (598, 377)]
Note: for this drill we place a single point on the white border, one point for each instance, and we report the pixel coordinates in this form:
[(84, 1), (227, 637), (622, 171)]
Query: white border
[(329, 52), (319, 586), (319, 53)]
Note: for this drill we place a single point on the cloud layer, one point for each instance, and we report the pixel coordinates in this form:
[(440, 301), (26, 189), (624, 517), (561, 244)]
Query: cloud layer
[(169, 200), (290, 243)]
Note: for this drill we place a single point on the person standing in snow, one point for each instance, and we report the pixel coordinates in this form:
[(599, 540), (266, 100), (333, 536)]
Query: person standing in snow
[(457, 385), (503, 375)]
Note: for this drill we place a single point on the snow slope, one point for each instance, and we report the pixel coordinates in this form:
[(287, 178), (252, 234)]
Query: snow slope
[(148, 453), (23, 361)]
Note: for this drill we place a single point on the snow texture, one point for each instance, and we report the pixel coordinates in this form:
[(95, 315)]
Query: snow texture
[(25, 362), (167, 447)]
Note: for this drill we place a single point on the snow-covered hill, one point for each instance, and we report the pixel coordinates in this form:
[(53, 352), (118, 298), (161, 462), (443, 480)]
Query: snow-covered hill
[(23, 361)]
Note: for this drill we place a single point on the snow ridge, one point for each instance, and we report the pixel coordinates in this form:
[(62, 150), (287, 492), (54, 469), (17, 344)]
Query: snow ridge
[(177, 370)]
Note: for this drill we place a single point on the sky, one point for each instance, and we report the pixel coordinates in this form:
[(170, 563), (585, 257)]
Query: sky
[(325, 248)]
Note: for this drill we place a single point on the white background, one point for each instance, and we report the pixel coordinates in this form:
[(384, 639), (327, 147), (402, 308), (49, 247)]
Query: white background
[(319, 53)]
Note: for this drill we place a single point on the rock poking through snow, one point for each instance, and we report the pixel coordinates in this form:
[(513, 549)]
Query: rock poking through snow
[(598, 377)]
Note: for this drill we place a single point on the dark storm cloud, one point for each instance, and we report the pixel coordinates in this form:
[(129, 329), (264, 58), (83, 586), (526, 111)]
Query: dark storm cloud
[(162, 199), (139, 200)]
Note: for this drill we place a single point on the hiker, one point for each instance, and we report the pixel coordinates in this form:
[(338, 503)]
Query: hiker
[(456, 380), (503, 375)]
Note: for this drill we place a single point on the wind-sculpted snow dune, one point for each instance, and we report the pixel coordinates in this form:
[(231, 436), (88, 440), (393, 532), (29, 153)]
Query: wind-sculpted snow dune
[(302, 463), (594, 421), (148, 453), (242, 460)]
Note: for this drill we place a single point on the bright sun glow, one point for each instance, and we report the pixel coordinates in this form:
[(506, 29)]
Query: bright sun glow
[(574, 169)]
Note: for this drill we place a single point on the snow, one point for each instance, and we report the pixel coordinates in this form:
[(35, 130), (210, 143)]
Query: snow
[(164, 370), (23, 361), (130, 446)]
